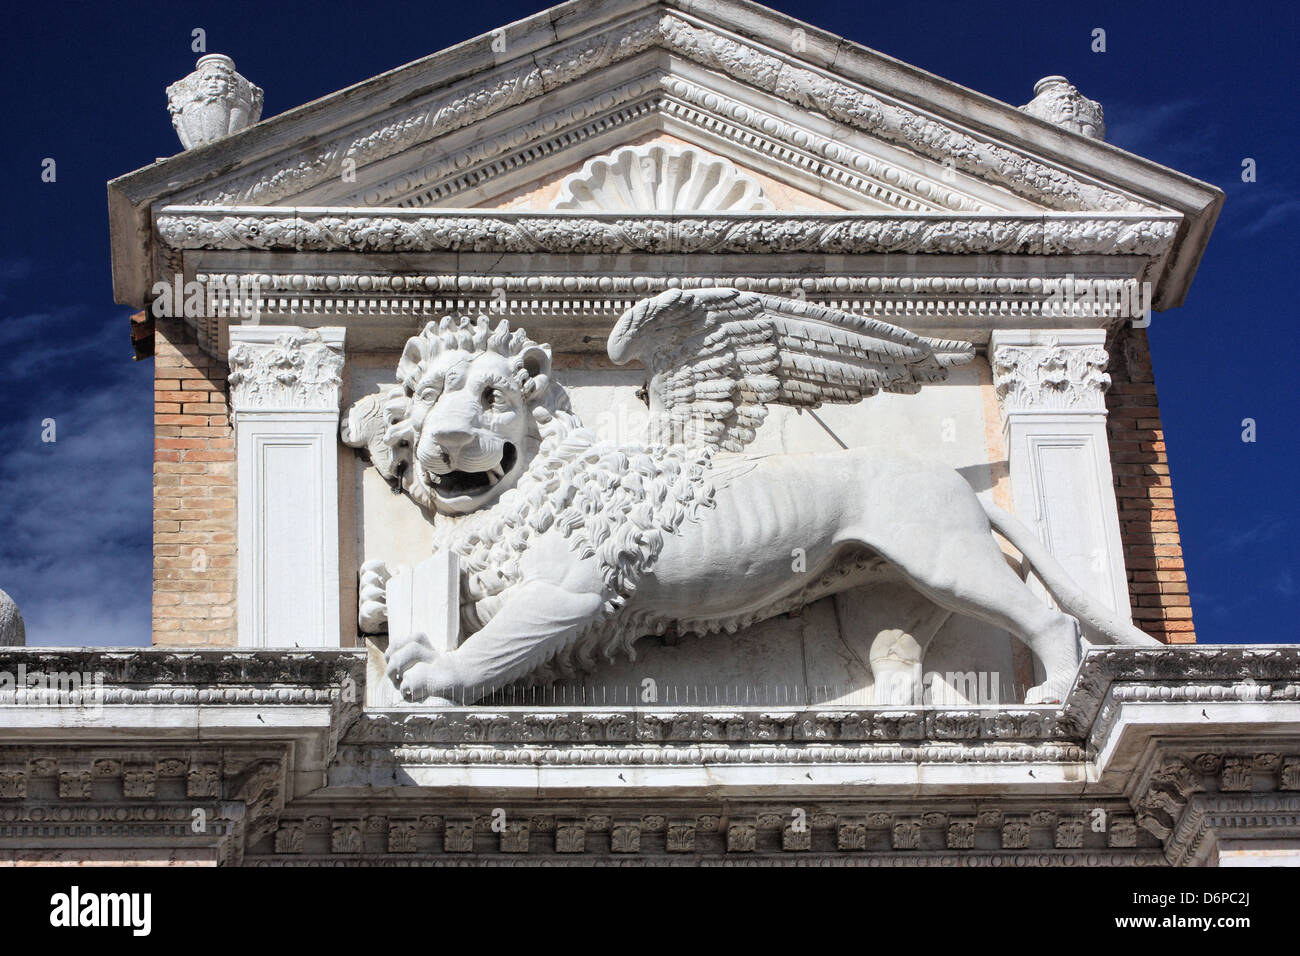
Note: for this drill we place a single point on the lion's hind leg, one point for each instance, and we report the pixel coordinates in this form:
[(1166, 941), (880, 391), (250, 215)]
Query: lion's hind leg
[(960, 567)]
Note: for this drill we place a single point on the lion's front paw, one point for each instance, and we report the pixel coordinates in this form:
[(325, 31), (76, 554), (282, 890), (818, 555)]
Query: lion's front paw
[(372, 599), (419, 671)]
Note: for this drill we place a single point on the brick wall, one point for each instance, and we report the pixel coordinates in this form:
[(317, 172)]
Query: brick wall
[(194, 494), (1153, 552)]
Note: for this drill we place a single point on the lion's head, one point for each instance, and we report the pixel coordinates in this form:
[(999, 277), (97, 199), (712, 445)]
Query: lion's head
[(461, 425)]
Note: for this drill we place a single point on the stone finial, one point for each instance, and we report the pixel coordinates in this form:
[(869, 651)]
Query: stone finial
[(1057, 101), (12, 632), (212, 102)]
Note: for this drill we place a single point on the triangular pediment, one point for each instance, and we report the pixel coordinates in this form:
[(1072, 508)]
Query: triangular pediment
[(821, 141), (821, 124)]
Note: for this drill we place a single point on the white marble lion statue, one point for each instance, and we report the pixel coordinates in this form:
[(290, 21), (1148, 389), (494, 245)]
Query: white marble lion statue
[(571, 547)]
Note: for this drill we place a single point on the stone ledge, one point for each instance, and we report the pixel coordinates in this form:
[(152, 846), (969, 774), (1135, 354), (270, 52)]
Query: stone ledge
[(1177, 748)]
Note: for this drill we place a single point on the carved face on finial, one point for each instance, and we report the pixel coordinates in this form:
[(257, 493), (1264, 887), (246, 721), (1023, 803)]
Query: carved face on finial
[(215, 82), (1058, 101), (462, 426), (212, 102)]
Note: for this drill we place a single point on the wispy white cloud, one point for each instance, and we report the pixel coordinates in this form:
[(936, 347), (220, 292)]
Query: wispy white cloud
[(75, 517), (1175, 134), (1267, 528)]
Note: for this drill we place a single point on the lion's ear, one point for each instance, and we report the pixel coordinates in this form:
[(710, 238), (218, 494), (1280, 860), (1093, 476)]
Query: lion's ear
[(536, 361), (534, 369)]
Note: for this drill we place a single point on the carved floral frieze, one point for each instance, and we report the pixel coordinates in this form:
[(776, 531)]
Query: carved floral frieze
[(186, 228)]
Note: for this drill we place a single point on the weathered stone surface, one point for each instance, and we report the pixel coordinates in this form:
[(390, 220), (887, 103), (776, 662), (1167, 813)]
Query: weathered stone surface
[(212, 102), (12, 631), (291, 771)]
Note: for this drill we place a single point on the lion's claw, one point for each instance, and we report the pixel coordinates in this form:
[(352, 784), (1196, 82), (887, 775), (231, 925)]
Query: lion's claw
[(419, 671)]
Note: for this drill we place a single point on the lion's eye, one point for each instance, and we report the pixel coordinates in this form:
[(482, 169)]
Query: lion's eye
[(491, 395), (428, 394)]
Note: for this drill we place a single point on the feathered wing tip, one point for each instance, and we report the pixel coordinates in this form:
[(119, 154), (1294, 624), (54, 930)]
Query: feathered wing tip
[(951, 353), (718, 357)]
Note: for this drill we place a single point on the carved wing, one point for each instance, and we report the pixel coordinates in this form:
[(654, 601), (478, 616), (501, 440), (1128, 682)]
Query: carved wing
[(717, 357)]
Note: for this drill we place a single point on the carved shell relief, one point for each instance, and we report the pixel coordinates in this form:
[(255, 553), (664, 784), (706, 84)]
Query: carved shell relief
[(660, 178)]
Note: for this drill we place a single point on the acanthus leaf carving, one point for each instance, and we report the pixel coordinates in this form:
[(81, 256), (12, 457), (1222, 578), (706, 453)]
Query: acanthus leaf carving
[(1053, 376), (298, 370)]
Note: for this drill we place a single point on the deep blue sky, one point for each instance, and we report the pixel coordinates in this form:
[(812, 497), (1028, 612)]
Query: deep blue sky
[(1197, 87)]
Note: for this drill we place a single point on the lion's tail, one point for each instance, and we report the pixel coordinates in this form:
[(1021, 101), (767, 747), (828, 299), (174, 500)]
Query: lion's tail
[(1060, 585)]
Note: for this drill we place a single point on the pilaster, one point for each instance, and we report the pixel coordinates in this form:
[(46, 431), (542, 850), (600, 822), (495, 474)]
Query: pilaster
[(1051, 389), (285, 388)]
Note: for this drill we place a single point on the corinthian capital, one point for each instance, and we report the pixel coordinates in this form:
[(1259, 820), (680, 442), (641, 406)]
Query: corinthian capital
[(284, 368), (1062, 371)]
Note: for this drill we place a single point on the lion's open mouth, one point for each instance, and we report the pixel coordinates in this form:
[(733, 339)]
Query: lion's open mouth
[(456, 484)]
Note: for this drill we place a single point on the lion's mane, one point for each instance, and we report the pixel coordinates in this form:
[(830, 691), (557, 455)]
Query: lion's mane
[(611, 502)]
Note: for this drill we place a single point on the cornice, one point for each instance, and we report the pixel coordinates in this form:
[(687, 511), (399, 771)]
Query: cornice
[(458, 88), (405, 230), (1022, 785)]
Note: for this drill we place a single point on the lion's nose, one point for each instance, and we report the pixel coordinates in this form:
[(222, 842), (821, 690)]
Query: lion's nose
[(452, 440)]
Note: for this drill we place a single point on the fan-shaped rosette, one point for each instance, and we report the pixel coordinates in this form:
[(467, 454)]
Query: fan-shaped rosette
[(660, 178)]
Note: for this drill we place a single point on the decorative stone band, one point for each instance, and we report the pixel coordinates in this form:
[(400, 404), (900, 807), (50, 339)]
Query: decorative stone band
[(406, 230), (765, 138), (443, 833), (1060, 370), (274, 369), (1215, 732), (576, 311), (1108, 676), (1077, 295)]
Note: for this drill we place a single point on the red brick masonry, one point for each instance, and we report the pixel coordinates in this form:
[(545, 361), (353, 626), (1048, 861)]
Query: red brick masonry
[(1153, 552), (194, 518)]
